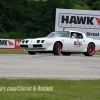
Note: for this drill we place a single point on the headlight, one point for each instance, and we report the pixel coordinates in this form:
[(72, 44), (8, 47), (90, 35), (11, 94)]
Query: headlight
[(27, 41), (42, 41), (38, 41), (23, 41)]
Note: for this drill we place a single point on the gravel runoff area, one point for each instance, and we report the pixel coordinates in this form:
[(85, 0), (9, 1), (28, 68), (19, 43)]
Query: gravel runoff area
[(48, 66)]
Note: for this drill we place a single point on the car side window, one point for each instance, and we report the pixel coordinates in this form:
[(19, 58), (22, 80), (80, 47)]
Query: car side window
[(73, 34), (76, 35), (79, 36), (65, 34)]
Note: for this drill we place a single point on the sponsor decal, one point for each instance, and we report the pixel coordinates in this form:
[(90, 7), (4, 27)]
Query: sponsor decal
[(7, 43), (10, 43), (98, 20), (79, 20), (78, 43), (92, 34), (3, 42), (17, 44)]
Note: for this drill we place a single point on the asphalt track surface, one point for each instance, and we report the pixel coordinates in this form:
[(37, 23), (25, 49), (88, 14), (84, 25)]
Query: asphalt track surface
[(48, 66)]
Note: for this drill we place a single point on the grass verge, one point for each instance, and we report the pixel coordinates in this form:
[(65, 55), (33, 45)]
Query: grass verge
[(61, 89), (13, 52)]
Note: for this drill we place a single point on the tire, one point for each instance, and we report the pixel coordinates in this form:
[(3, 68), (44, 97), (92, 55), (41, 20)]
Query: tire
[(66, 53), (90, 50), (31, 52), (57, 48)]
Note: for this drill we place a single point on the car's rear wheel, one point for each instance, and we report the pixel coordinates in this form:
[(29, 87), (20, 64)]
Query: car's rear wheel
[(66, 53), (31, 52), (57, 48), (90, 50)]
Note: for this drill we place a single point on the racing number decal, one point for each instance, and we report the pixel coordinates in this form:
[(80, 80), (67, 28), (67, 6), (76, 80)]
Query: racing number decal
[(78, 43)]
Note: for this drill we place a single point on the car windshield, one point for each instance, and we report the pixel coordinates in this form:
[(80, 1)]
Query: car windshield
[(60, 34)]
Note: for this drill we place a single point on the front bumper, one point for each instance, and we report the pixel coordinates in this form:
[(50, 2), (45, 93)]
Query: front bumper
[(37, 47)]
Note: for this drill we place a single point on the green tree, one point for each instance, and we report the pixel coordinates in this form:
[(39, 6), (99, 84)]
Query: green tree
[(36, 17)]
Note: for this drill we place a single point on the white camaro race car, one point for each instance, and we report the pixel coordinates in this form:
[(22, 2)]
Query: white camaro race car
[(62, 42)]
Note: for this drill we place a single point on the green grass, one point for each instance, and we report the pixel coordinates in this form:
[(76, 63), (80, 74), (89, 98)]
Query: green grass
[(97, 53), (13, 52), (62, 89)]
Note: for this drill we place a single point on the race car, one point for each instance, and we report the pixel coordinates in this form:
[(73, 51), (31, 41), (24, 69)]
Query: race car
[(62, 42)]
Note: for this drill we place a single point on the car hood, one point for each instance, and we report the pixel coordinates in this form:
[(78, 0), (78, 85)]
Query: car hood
[(43, 38)]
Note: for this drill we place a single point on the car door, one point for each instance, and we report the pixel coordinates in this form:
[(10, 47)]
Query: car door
[(76, 42), (65, 40)]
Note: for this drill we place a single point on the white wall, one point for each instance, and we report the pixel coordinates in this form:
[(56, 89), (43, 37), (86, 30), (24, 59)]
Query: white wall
[(79, 20)]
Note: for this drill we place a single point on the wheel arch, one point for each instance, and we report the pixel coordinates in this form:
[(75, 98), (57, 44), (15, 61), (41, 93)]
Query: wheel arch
[(59, 42)]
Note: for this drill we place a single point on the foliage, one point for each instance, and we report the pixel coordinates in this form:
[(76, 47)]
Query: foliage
[(35, 17)]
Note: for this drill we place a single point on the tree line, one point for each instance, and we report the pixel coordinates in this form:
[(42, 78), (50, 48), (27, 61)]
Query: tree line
[(35, 18)]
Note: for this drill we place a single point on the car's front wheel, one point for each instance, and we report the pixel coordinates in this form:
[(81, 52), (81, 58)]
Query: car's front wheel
[(57, 48), (66, 53), (31, 52), (90, 50)]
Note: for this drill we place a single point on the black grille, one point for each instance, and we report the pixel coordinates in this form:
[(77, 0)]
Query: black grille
[(37, 45), (24, 46)]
